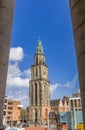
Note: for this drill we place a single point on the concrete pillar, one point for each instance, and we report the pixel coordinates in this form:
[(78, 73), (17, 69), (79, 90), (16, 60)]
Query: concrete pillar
[(77, 8), (6, 20), (77, 104)]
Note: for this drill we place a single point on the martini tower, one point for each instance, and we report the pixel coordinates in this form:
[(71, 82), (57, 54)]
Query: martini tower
[(39, 88)]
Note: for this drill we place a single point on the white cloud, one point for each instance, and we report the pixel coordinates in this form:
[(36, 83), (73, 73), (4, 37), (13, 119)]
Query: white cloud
[(19, 95), (14, 70), (66, 84), (16, 54), (18, 84), (16, 77), (27, 73), (69, 84), (17, 80), (25, 100), (53, 87)]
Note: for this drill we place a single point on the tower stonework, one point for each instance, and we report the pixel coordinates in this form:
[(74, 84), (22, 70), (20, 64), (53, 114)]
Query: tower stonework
[(39, 88)]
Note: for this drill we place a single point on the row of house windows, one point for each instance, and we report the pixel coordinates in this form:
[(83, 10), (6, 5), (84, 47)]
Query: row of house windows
[(9, 113), (9, 118), (10, 103), (10, 108), (76, 103)]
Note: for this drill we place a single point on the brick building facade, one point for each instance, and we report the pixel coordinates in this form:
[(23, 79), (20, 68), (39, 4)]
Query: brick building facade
[(11, 111), (60, 105)]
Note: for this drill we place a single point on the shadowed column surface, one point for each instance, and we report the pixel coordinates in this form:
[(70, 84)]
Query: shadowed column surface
[(77, 8), (6, 20)]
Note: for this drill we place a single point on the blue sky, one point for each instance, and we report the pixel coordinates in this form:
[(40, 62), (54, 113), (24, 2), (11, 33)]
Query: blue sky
[(50, 20)]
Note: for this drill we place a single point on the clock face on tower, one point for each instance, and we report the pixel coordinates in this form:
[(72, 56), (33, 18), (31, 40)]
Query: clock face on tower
[(44, 73)]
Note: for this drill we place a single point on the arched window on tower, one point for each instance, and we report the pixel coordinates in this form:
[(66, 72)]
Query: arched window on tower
[(33, 73), (40, 92), (36, 60), (32, 94), (36, 72), (39, 72), (35, 94), (46, 93), (36, 115)]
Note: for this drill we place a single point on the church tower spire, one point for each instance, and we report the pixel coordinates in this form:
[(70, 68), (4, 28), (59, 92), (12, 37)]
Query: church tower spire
[(39, 49), (39, 88), (39, 56)]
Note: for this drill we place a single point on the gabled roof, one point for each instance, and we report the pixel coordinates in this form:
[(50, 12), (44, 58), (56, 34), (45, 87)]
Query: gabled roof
[(66, 98), (54, 102), (63, 101)]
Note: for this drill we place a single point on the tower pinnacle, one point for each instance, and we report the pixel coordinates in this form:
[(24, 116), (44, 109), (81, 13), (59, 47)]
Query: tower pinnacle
[(39, 49)]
